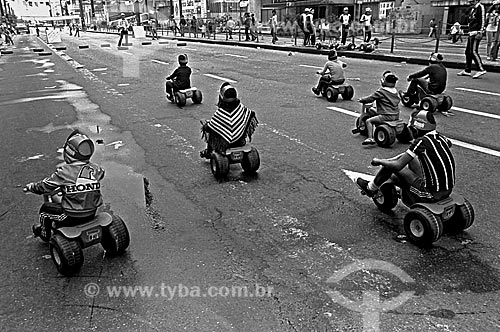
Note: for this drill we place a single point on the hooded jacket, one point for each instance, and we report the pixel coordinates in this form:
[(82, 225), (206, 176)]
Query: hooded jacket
[(80, 184)]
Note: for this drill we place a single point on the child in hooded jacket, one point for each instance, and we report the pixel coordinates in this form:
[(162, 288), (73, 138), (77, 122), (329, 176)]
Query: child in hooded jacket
[(386, 103)]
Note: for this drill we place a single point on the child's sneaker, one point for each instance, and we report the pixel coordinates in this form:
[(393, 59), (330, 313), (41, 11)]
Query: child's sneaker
[(479, 74), (369, 141), (464, 73), (363, 185)]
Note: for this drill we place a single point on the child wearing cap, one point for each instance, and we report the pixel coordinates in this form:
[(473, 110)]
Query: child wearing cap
[(332, 73), (387, 104), (180, 79)]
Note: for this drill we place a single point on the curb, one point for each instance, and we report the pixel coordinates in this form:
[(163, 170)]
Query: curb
[(350, 54)]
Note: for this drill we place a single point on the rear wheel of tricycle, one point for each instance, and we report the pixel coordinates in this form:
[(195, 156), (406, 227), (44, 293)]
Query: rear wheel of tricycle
[(446, 104), (115, 237), (422, 226), (251, 161), (348, 93), (180, 99), (66, 254), (219, 165), (332, 94), (428, 104), (197, 97), (462, 219), (384, 135)]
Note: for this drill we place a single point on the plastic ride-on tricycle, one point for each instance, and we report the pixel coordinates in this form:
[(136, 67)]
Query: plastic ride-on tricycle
[(386, 133), (426, 222), (428, 102), (181, 96), (66, 242), (246, 155), (332, 91)]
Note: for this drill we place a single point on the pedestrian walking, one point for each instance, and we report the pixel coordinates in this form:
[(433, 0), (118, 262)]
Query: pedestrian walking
[(76, 27), (230, 25), (123, 27), (154, 29), (491, 30), (37, 29), (273, 24), (183, 25), (253, 28), (432, 28), (476, 22), (345, 21)]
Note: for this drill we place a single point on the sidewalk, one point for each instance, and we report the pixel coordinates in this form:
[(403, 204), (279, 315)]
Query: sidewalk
[(454, 53)]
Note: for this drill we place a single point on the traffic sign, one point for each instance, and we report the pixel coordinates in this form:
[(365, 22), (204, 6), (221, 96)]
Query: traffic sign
[(243, 3)]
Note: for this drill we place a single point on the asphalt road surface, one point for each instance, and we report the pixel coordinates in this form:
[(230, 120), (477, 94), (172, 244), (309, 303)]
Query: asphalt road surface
[(291, 234)]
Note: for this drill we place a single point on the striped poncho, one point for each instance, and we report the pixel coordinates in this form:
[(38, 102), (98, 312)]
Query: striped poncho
[(227, 127)]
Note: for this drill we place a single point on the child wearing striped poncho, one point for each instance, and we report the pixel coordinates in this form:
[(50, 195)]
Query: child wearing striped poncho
[(230, 125)]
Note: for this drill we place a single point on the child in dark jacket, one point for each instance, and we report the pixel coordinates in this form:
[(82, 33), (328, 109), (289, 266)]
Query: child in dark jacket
[(79, 183), (180, 79), (387, 104)]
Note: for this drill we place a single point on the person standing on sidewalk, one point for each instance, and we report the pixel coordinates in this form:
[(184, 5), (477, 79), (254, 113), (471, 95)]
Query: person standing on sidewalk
[(230, 25), (303, 26), (345, 20), (366, 20), (311, 27), (183, 24), (194, 26), (491, 30), (273, 24), (477, 24), (123, 29)]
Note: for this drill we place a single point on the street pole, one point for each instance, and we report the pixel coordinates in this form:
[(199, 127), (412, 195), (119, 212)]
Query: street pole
[(1, 10)]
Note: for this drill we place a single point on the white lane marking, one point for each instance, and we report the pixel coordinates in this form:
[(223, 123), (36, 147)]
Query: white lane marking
[(354, 175), (479, 91), (125, 52), (465, 145), (464, 110), (220, 78), (341, 110), (476, 148), (160, 62), (236, 55), (99, 69), (307, 66), (123, 84), (189, 49)]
